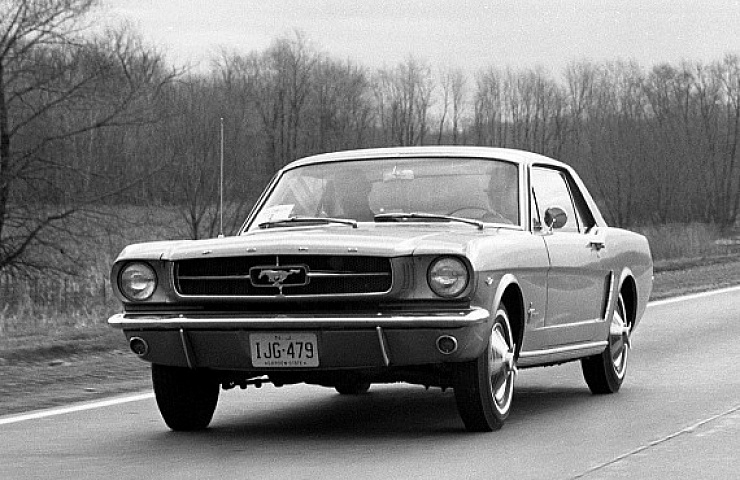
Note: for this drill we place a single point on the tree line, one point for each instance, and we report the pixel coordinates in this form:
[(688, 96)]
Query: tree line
[(655, 145), (99, 120)]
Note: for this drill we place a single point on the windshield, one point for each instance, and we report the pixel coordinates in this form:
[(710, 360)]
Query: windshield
[(484, 190)]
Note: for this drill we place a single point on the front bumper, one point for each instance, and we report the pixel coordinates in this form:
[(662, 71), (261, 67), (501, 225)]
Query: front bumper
[(344, 341)]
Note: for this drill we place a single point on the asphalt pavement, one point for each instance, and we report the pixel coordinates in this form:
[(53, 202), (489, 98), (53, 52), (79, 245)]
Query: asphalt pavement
[(677, 416)]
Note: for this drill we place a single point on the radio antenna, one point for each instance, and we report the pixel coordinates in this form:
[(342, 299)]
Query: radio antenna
[(221, 186)]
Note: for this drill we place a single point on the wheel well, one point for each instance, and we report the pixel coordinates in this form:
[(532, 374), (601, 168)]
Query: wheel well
[(629, 294), (514, 303)]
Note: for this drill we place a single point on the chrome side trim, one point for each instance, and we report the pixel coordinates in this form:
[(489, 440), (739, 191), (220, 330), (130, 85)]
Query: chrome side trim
[(383, 347), (584, 323), (609, 296), (558, 354)]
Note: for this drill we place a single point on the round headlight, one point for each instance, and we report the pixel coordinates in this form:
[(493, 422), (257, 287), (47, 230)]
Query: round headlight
[(138, 281), (447, 277)]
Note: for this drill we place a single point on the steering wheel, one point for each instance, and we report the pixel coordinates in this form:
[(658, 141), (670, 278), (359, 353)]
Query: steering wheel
[(460, 209), (488, 215)]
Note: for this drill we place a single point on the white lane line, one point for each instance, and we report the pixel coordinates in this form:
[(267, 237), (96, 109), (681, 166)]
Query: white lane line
[(74, 408), (145, 396), (654, 443), (693, 296)]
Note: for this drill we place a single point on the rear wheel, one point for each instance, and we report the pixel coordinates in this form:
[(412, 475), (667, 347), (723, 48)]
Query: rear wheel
[(604, 373), (186, 398), (484, 387)]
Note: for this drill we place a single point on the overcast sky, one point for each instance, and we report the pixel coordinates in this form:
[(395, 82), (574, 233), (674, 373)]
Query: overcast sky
[(468, 34)]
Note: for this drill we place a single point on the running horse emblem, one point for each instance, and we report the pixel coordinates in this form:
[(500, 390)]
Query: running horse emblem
[(277, 277)]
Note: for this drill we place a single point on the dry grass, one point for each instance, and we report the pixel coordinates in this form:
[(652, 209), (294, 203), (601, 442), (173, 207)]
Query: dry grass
[(33, 304), (684, 241)]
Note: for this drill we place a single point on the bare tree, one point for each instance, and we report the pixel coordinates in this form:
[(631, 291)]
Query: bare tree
[(609, 108), (338, 110), (724, 181), (452, 83), (459, 92), (56, 87), (489, 112), (403, 97), (446, 86), (192, 139), (279, 83)]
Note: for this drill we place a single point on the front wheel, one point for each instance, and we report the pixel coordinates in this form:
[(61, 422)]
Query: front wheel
[(604, 373), (186, 398), (484, 387)]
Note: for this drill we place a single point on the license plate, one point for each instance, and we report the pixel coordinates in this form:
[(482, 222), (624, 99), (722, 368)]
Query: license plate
[(284, 350)]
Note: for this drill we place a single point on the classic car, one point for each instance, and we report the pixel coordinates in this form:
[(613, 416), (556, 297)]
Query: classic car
[(450, 267)]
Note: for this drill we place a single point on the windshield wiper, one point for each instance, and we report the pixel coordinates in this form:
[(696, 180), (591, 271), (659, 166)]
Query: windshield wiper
[(429, 216), (299, 220)]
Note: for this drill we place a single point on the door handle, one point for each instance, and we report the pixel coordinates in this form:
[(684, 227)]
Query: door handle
[(597, 243)]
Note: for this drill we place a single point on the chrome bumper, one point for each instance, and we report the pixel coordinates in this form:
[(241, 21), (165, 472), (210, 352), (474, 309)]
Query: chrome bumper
[(238, 322), (345, 341)]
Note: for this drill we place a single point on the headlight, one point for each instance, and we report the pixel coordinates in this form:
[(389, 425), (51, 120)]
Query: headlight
[(447, 277), (138, 281)]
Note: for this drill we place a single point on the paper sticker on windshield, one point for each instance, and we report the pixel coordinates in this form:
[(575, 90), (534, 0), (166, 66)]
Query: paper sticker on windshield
[(275, 213), (398, 174)]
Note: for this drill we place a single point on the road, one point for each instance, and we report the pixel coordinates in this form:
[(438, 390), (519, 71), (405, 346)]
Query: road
[(677, 416)]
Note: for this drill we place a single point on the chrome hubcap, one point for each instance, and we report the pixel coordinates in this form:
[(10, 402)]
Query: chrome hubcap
[(501, 363), (619, 340)]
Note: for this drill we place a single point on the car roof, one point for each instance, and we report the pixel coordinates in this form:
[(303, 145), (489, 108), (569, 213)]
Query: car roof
[(506, 154)]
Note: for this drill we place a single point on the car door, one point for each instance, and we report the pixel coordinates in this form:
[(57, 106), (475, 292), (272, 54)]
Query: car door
[(577, 281)]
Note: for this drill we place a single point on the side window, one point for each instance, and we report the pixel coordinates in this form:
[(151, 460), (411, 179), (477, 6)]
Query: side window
[(551, 190), (585, 217)]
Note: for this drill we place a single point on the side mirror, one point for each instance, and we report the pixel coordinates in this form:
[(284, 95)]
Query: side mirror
[(555, 217)]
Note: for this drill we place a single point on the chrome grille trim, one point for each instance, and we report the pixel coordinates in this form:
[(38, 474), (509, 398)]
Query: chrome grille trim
[(347, 275), (213, 277), (331, 276)]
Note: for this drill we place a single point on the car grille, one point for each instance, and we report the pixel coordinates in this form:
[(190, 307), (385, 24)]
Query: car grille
[(320, 275)]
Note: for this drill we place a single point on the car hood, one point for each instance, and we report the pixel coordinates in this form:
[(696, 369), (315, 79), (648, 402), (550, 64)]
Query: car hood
[(388, 240)]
